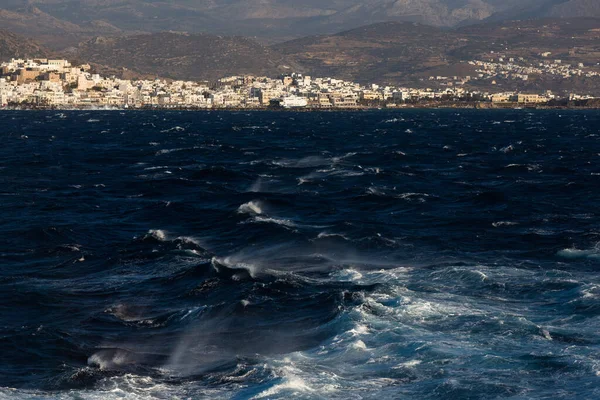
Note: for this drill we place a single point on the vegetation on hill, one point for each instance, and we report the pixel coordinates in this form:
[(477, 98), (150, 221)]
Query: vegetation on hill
[(185, 56)]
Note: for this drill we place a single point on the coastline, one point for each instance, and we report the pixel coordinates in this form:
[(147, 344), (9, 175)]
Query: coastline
[(416, 106)]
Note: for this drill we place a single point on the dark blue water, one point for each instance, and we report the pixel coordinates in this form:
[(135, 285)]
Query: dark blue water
[(369, 255)]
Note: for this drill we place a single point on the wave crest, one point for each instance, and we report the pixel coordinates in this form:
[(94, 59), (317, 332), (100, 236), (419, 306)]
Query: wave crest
[(251, 207)]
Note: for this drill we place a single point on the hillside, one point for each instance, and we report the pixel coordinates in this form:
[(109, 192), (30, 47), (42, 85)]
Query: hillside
[(183, 56), (408, 53), (387, 50), (575, 8), (53, 32), (14, 46), (398, 53), (270, 20)]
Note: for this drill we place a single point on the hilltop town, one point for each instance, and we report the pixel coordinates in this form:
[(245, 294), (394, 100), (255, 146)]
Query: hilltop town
[(48, 83)]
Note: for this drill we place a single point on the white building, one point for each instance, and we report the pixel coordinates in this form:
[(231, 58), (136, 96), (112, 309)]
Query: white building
[(293, 102)]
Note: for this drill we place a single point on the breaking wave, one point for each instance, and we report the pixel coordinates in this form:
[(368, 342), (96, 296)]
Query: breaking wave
[(418, 254)]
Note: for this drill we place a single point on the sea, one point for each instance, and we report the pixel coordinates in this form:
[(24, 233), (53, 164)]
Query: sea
[(405, 254)]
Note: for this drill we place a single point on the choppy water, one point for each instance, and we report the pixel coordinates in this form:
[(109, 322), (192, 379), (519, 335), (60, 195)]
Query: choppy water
[(368, 255)]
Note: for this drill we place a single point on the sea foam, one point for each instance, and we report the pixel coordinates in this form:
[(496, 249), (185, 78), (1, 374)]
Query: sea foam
[(251, 207)]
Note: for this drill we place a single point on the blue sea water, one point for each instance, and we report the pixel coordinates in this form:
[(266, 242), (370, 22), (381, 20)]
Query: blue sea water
[(422, 254)]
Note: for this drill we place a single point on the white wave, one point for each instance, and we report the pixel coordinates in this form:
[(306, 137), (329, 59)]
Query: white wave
[(190, 239), (167, 151), (173, 129), (592, 254), (278, 221), (591, 292), (348, 275), (419, 197), (375, 191), (293, 384), (347, 155), (375, 170), (252, 207), (530, 167), (123, 387), (507, 149), (158, 234), (360, 329), (306, 162), (72, 247), (545, 333), (110, 359), (409, 195), (504, 223), (93, 120), (233, 262), (359, 345), (123, 312), (324, 235), (407, 364), (422, 311), (483, 276), (255, 127)]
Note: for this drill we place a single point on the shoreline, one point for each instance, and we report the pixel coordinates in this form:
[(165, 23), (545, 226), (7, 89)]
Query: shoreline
[(421, 106)]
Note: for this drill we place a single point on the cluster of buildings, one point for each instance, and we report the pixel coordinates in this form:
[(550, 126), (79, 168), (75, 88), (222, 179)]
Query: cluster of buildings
[(57, 83), (521, 69)]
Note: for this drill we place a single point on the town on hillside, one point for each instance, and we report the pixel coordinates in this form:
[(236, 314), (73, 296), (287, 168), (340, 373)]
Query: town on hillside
[(46, 83)]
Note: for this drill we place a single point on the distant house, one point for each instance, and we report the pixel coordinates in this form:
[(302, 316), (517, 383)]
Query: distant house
[(531, 98), (502, 97)]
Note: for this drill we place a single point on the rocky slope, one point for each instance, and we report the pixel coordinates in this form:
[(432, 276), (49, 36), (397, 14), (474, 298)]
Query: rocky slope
[(575, 8), (184, 56), (14, 46), (271, 20), (54, 32), (407, 53)]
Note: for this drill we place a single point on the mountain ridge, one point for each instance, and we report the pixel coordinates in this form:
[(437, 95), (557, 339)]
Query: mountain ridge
[(396, 53), (184, 56), (65, 22), (15, 46)]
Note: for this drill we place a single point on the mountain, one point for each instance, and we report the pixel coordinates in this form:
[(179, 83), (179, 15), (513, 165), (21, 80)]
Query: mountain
[(409, 53), (14, 46), (183, 56), (386, 50), (57, 33), (62, 22), (575, 8), (398, 53)]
